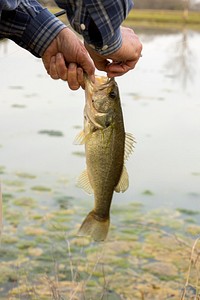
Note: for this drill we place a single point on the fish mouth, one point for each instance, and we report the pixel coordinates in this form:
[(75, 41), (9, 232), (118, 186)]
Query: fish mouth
[(101, 82)]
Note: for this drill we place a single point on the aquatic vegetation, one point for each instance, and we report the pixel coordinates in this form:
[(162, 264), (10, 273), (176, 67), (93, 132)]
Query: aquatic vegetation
[(148, 193), (196, 173), (40, 188), (25, 175), (55, 133), (16, 87), (25, 202), (64, 201), (146, 255), (2, 168), (188, 211), (79, 153), (13, 183), (19, 105)]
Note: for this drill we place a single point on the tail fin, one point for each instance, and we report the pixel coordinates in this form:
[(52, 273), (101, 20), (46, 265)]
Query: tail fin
[(95, 227)]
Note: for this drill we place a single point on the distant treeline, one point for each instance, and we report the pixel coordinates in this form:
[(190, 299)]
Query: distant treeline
[(167, 4), (152, 4)]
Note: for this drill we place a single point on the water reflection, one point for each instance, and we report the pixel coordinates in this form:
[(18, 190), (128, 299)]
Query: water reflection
[(183, 63), (181, 58)]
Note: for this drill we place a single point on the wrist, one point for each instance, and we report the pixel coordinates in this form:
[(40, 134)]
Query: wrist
[(40, 32), (111, 46)]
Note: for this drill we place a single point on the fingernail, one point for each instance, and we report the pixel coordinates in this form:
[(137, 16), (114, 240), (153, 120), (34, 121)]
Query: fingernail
[(59, 55), (72, 66)]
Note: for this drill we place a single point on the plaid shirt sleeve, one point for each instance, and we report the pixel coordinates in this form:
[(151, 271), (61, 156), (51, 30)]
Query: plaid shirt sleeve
[(28, 24), (98, 21)]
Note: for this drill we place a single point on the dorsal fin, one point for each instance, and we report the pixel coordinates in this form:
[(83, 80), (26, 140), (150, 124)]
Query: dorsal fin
[(129, 145)]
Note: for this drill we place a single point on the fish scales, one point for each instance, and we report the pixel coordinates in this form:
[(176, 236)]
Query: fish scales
[(105, 165)]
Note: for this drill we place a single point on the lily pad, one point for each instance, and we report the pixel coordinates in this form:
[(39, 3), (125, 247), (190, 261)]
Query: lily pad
[(25, 175), (148, 193), (2, 169), (188, 211), (19, 105), (55, 133), (25, 201), (14, 183), (16, 87), (40, 188), (79, 153)]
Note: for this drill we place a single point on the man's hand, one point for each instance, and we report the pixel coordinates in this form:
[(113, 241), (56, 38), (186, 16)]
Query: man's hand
[(121, 61), (66, 58)]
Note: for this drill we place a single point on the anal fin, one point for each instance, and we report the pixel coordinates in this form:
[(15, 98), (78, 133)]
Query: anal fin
[(123, 183)]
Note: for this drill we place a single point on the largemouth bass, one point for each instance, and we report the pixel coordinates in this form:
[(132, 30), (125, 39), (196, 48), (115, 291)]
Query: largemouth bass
[(107, 146)]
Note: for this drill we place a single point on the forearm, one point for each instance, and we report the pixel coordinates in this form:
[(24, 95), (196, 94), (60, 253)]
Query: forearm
[(28, 24), (98, 21)]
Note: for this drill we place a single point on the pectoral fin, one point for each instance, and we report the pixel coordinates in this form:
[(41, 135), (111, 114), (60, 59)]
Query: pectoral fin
[(84, 183), (80, 138), (129, 145), (123, 183)]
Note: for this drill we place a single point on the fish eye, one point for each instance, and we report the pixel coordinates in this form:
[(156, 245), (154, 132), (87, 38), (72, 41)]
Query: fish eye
[(112, 95)]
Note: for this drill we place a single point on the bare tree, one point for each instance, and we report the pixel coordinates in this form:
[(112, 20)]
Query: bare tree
[(186, 6), (159, 4)]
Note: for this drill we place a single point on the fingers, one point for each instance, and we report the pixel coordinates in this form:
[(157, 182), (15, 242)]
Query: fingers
[(52, 68), (61, 66), (57, 68), (115, 69), (74, 51), (71, 73), (74, 74), (86, 62)]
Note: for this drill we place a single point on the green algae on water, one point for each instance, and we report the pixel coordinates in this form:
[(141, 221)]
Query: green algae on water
[(54, 133), (146, 253), (25, 175), (25, 202), (40, 188)]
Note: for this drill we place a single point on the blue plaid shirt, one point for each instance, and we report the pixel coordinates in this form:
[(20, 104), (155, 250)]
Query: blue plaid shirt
[(33, 27)]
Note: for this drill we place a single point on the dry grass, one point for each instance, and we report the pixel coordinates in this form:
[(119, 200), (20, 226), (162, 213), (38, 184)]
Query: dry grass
[(194, 266)]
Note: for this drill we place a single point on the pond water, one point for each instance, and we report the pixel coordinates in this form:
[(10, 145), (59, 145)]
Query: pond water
[(39, 166), (161, 104)]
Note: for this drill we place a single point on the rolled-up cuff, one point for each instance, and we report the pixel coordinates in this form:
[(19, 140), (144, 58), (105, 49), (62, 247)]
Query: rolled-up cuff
[(111, 46)]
